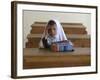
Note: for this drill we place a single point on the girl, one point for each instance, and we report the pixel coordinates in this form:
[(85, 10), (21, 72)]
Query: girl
[(53, 33)]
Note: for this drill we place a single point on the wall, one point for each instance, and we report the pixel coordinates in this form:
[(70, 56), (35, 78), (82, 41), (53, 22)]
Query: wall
[(31, 16)]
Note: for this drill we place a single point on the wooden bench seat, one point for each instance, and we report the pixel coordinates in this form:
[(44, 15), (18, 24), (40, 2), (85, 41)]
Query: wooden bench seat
[(77, 40), (69, 28), (42, 58)]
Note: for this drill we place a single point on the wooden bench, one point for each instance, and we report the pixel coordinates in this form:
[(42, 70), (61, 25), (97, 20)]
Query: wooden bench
[(76, 32), (77, 40), (69, 28), (42, 58)]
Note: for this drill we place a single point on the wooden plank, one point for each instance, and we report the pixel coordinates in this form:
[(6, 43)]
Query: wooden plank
[(66, 25), (36, 58), (67, 30), (68, 61), (46, 52), (62, 23), (74, 36), (77, 40)]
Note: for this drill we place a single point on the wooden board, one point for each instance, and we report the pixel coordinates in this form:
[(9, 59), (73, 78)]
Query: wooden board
[(77, 40), (36, 58)]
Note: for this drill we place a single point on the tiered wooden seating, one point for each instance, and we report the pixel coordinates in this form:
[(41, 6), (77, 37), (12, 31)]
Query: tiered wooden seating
[(78, 40), (76, 32), (37, 58)]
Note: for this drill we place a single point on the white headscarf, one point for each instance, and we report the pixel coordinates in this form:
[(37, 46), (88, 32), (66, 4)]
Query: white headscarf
[(60, 36)]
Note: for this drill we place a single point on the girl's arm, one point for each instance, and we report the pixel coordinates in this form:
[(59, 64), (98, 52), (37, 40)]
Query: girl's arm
[(45, 43)]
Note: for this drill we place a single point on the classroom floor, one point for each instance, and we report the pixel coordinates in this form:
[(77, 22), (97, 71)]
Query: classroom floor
[(42, 58)]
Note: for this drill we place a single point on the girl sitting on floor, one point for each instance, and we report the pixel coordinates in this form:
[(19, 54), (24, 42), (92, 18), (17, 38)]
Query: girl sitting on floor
[(53, 33)]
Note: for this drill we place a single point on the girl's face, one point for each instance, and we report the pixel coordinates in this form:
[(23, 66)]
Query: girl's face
[(52, 30)]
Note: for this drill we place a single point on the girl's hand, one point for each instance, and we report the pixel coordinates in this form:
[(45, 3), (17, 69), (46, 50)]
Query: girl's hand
[(45, 32), (54, 47)]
